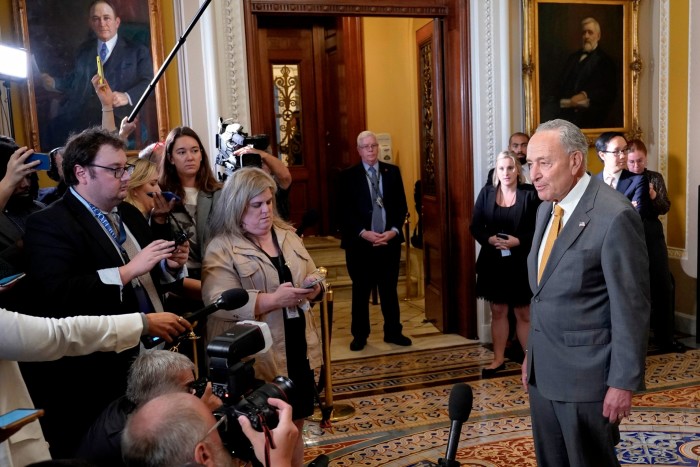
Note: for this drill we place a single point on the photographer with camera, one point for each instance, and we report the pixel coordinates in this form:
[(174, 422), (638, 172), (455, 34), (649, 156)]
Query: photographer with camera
[(280, 173), (178, 429), (253, 249), (153, 373)]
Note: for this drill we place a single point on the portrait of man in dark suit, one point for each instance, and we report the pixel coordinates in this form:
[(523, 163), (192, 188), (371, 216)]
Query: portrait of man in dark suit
[(66, 99), (584, 86)]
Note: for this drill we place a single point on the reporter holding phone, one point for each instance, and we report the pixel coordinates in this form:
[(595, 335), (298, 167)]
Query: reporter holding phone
[(185, 171), (28, 338), (503, 222), (252, 248)]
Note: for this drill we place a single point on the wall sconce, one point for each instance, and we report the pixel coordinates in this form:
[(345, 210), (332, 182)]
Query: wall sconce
[(13, 67)]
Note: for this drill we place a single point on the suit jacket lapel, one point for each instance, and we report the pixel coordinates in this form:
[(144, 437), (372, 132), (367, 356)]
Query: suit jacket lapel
[(575, 225), (544, 212), (87, 221), (623, 183)]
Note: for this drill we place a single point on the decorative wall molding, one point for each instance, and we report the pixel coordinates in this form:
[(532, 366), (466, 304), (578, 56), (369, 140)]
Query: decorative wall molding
[(233, 68), (677, 253), (407, 8), (662, 76)]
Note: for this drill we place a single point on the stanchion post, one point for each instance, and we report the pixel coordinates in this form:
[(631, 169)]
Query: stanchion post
[(407, 235), (329, 411)]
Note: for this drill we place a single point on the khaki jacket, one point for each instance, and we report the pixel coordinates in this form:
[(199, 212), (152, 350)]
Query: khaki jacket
[(237, 263)]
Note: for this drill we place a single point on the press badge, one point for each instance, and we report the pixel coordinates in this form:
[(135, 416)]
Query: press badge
[(292, 312)]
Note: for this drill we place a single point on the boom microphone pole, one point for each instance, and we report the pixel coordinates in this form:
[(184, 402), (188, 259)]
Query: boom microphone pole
[(167, 61)]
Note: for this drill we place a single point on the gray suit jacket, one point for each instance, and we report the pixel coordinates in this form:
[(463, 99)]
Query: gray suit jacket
[(589, 316)]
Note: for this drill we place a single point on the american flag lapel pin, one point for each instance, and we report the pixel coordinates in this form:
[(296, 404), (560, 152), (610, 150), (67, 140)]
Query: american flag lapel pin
[(581, 224)]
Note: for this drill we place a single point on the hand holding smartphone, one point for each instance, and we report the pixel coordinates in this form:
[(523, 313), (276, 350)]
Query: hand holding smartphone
[(44, 161), (502, 236), (168, 195)]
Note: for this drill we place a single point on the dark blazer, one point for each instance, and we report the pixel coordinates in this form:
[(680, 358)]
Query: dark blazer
[(636, 189), (482, 227), (588, 321), (65, 247), (356, 202), (129, 69)]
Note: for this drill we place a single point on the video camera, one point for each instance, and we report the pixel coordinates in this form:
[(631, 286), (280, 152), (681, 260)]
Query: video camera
[(234, 382), (229, 139)]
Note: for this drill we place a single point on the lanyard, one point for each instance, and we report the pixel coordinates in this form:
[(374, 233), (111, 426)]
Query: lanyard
[(121, 238)]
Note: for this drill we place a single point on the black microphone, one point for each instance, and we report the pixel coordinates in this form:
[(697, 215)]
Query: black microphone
[(460, 406), (229, 300)]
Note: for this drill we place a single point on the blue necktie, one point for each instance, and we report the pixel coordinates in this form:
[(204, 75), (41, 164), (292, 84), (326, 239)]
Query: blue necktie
[(103, 52), (377, 219)]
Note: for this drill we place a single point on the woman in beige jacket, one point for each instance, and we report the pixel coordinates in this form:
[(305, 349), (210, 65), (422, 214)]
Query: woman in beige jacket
[(252, 248)]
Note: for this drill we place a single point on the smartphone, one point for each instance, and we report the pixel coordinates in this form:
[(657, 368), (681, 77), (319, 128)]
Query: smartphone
[(5, 281), (18, 418), (44, 161), (312, 284), (100, 71), (168, 195), (502, 236)]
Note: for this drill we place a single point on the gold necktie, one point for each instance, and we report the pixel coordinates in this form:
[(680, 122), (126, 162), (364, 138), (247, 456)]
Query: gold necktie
[(551, 237)]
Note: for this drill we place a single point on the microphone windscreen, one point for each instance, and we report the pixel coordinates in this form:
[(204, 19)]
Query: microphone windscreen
[(232, 299), (461, 400)]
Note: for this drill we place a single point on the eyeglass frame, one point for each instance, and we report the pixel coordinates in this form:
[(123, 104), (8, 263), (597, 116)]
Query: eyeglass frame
[(365, 147), (222, 419), (619, 152), (118, 171)]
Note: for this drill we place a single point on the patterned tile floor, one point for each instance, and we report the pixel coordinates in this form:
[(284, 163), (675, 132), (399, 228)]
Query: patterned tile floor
[(401, 416)]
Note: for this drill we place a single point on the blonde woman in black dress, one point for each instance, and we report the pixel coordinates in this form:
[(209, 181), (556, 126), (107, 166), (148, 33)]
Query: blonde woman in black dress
[(503, 223)]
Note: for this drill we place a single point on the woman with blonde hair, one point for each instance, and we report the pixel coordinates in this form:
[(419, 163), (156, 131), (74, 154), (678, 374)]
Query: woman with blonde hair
[(503, 223), (252, 248), (143, 180)]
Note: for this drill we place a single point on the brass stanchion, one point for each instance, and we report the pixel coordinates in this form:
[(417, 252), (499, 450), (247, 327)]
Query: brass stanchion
[(329, 412), (407, 236)]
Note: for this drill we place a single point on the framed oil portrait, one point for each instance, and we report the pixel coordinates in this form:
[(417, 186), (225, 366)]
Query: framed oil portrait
[(581, 63), (62, 39)]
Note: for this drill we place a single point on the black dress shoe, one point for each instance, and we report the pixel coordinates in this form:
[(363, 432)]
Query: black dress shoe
[(489, 372), (674, 347), (358, 344), (399, 339)]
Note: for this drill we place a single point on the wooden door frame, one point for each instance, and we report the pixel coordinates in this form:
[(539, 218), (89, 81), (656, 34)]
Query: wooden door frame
[(453, 142)]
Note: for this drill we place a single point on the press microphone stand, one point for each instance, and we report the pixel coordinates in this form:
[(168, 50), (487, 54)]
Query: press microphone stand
[(167, 61)]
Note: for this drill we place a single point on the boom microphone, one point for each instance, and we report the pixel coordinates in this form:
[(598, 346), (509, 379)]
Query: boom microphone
[(229, 300), (460, 406)]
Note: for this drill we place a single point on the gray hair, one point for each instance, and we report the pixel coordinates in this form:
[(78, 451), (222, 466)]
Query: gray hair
[(518, 167), (155, 372), (365, 134), (168, 437), (570, 136), (593, 21), (244, 185)]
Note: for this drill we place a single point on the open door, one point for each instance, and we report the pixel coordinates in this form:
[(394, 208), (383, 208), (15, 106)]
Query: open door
[(434, 215)]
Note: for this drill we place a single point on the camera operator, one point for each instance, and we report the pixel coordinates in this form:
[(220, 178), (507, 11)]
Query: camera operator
[(280, 173), (28, 338), (153, 373), (176, 429)]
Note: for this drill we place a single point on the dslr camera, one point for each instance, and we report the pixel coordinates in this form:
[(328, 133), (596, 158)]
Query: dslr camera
[(229, 139), (234, 382)]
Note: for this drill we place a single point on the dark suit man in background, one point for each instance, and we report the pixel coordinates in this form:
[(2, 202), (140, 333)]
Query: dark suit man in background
[(373, 209), (612, 151), (90, 253), (128, 68), (518, 144), (589, 316), (587, 86)]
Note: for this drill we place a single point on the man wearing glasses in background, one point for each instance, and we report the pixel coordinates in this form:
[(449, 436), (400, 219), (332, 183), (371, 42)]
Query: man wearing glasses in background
[(612, 150), (90, 253), (373, 209)]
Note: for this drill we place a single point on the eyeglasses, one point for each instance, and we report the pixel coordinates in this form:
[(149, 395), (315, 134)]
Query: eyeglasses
[(223, 419), (118, 171), (619, 152), (369, 146)]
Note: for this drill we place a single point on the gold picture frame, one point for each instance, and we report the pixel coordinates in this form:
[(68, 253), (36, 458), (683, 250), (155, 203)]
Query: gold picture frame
[(554, 53), (52, 31)]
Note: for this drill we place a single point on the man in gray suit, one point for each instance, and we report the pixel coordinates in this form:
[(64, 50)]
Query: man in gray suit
[(589, 320)]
